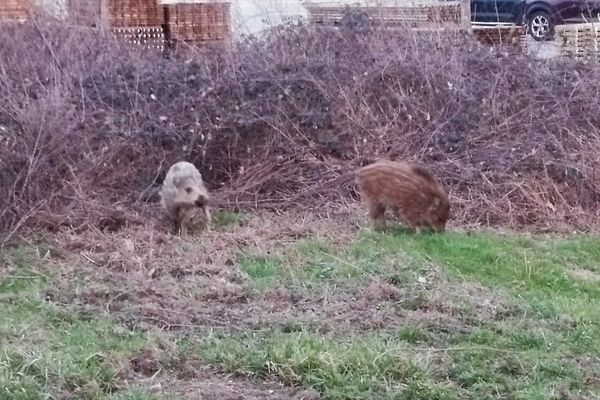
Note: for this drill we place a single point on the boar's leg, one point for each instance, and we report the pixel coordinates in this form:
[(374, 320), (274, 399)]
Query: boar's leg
[(377, 213), (207, 216)]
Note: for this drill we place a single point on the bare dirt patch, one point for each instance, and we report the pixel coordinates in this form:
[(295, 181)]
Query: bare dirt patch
[(210, 386), (188, 379), (584, 274)]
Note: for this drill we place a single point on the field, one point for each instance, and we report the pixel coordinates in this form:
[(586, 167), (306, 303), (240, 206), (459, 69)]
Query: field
[(293, 294), (289, 306)]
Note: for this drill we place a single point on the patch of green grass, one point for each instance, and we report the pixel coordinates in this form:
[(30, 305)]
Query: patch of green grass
[(306, 264), (46, 352), (485, 364), (580, 251), (502, 358), (517, 365), (413, 334), (369, 366), (531, 268), (260, 267), (19, 274), (310, 264), (224, 219), (264, 271)]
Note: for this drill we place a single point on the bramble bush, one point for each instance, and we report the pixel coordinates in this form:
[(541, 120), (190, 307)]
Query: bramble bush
[(88, 126)]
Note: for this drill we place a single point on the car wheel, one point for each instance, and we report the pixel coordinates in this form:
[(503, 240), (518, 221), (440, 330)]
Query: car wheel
[(540, 26)]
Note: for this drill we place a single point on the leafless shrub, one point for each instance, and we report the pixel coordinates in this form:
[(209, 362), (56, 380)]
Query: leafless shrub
[(87, 127)]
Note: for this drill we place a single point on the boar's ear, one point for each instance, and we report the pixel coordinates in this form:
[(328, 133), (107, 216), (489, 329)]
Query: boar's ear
[(423, 172)]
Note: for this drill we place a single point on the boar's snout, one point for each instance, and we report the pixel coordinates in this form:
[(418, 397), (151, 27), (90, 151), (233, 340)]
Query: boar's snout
[(200, 201)]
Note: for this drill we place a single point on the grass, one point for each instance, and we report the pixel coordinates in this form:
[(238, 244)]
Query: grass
[(224, 219), (484, 365), (532, 352), (46, 351), (531, 269), (541, 340), (534, 269), (344, 368), (263, 270), (518, 362)]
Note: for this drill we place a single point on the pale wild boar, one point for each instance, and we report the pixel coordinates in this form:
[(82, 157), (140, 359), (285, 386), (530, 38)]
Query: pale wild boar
[(183, 194), (411, 192)]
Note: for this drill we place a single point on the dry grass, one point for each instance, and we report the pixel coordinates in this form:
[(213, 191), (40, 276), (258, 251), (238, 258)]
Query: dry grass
[(293, 301), (255, 272), (144, 277)]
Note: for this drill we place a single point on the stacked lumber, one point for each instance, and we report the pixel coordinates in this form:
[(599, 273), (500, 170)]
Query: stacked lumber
[(418, 15), (149, 24), (421, 16), (198, 22), (580, 40), (501, 34), (444, 13), (14, 9), (134, 13), (148, 38)]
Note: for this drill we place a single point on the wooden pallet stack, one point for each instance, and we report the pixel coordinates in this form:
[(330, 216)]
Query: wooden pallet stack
[(14, 9), (154, 25), (446, 13), (148, 38), (136, 22), (198, 22), (498, 34), (580, 40), (134, 13), (425, 15), (116, 13)]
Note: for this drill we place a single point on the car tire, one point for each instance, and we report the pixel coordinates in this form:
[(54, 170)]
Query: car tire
[(540, 26)]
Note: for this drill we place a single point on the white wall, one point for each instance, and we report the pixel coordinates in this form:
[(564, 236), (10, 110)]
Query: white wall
[(57, 7), (252, 16)]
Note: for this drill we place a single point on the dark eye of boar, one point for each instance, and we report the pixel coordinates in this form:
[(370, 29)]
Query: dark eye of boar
[(188, 189)]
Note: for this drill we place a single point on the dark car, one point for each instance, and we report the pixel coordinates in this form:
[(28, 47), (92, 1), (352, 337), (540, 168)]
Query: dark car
[(497, 11), (543, 15), (540, 16)]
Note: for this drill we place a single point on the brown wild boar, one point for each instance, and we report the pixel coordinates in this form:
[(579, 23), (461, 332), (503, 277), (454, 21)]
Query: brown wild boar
[(182, 194), (411, 192)]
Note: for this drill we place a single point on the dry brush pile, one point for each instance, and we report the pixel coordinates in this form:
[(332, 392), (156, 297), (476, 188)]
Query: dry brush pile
[(88, 128)]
